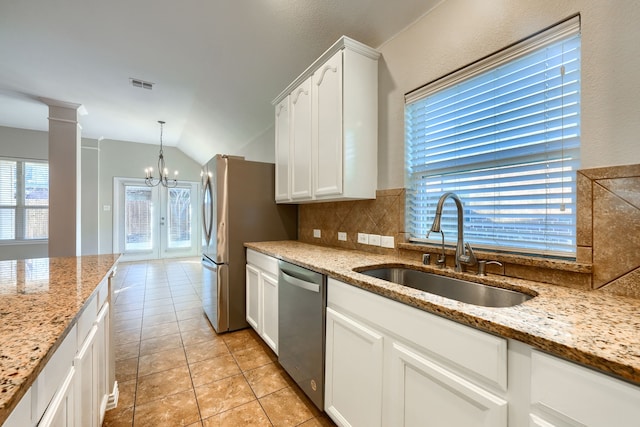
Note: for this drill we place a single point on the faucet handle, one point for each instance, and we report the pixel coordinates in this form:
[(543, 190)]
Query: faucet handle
[(468, 258)]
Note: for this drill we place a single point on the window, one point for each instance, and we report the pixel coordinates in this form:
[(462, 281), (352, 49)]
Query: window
[(24, 200), (504, 135)]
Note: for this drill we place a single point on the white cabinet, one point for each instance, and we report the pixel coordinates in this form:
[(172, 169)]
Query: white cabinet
[(282, 150), (300, 142), (436, 372), (353, 372), (262, 296), (564, 394), (333, 128), (61, 411)]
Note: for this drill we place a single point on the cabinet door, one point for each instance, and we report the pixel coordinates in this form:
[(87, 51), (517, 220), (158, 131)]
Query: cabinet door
[(270, 311), (282, 151), (353, 376), (301, 141), (253, 298), (102, 347), (61, 410), (86, 365), (427, 394), (327, 127)]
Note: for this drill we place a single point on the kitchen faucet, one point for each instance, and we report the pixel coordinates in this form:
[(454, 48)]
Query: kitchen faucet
[(464, 253)]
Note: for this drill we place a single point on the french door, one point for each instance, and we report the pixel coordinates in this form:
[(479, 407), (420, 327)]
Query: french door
[(155, 222)]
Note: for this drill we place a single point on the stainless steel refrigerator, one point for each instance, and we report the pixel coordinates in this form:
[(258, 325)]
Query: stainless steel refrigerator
[(238, 206)]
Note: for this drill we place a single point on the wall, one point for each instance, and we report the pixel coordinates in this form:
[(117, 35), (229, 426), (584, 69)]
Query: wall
[(459, 32), (23, 144), (261, 148), (128, 160)]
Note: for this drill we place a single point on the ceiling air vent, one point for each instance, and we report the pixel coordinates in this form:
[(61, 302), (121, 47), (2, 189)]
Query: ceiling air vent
[(141, 84)]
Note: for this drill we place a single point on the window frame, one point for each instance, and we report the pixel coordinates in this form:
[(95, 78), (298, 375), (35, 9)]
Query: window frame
[(21, 208), (561, 31)]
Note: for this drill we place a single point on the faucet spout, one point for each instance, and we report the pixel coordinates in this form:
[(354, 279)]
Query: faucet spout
[(464, 252)]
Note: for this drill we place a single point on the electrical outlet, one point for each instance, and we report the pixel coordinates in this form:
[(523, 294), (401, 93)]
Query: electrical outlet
[(374, 239), (363, 238), (342, 236), (387, 242), (316, 233)]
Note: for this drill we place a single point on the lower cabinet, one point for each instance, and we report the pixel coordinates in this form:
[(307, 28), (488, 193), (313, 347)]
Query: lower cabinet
[(388, 364), (61, 412), (353, 372), (262, 296)]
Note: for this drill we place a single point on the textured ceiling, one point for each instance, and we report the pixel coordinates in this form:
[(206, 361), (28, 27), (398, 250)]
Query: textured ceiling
[(216, 64)]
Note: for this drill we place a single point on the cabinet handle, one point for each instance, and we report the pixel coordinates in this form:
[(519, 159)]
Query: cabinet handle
[(324, 71), (300, 91)]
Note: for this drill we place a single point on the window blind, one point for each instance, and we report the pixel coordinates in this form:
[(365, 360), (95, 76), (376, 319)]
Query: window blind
[(504, 135)]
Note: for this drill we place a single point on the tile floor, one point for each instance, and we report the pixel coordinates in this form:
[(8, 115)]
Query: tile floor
[(174, 370)]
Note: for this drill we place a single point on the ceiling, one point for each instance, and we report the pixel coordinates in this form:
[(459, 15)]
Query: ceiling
[(216, 65)]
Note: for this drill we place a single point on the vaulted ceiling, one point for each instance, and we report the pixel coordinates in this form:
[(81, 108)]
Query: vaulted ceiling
[(216, 65)]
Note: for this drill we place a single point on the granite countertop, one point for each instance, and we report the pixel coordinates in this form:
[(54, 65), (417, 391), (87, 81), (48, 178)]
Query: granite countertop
[(588, 327), (40, 300)]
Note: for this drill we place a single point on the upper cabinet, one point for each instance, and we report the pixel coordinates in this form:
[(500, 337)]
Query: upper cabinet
[(327, 128)]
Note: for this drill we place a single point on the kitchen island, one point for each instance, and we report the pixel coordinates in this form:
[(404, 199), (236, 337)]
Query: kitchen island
[(41, 302)]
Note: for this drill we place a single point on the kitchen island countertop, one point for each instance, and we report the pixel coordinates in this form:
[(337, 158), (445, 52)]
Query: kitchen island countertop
[(588, 327), (40, 301)]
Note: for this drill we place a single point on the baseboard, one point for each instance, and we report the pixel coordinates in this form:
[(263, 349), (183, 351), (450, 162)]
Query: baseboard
[(113, 397)]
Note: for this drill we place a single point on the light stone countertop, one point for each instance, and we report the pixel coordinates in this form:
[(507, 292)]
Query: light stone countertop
[(40, 301), (588, 327)]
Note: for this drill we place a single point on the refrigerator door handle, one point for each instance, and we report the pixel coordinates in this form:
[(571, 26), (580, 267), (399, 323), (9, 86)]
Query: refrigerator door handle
[(207, 220)]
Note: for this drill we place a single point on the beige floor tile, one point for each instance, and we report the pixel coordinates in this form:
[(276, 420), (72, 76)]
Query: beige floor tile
[(165, 301), (320, 421), (127, 393), (126, 315), (189, 314), (178, 409), (162, 384), (222, 395), (286, 407), (211, 370), (160, 330), (248, 415), (118, 417), (184, 298), (206, 350), (126, 324), (124, 307), (268, 379), (127, 350), (126, 369), (243, 339), (196, 336), (188, 305), (159, 309), (156, 319), (161, 361), (254, 357), (126, 336), (195, 323), (154, 345)]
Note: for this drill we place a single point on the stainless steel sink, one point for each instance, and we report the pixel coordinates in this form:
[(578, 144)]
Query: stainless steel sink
[(448, 287)]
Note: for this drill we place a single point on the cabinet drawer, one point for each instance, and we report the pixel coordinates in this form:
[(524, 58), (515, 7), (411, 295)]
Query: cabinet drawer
[(471, 352), (263, 262), (565, 393)]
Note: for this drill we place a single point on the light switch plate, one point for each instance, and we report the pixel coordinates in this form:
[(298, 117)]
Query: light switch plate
[(387, 242), (342, 236), (363, 238), (316, 233), (374, 239)]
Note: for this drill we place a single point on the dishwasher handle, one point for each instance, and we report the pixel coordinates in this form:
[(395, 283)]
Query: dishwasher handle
[(313, 287)]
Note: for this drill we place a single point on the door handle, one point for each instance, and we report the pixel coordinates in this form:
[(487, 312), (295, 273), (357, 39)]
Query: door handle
[(313, 287)]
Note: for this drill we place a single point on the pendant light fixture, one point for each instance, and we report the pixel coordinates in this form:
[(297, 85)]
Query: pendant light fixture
[(162, 170)]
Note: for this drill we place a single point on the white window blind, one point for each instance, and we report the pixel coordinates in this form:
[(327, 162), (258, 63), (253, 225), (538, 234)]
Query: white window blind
[(24, 200), (504, 135)]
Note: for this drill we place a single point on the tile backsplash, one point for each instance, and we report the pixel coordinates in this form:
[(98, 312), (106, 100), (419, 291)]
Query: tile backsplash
[(608, 230)]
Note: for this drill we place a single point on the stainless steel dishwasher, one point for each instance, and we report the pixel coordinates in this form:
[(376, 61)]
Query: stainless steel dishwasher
[(302, 302)]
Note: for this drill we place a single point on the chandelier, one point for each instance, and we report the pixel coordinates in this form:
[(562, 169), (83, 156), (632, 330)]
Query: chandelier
[(162, 170)]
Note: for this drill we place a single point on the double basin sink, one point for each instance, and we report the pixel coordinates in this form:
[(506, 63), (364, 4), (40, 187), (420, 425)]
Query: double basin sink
[(449, 287)]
